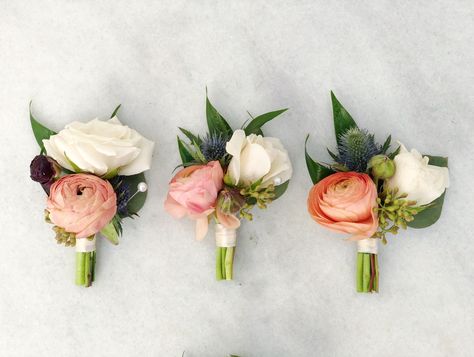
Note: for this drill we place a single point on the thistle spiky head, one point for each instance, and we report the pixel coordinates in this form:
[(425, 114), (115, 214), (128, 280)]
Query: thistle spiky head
[(356, 147), (213, 147)]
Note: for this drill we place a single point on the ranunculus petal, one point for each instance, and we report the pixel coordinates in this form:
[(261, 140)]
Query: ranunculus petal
[(82, 204), (193, 192), (344, 202)]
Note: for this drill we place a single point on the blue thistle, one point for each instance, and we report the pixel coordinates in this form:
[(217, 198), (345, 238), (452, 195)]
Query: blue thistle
[(122, 190), (213, 147), (356, 147)]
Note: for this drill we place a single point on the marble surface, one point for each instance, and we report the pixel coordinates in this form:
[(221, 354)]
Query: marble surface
[(404, 68)]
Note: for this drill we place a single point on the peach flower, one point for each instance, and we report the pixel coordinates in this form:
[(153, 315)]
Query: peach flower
[(193, 192), (344, 202), (82, 204)]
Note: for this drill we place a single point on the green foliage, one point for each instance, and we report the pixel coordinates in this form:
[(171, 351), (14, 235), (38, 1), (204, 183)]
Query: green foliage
[(114, 113), (137, 202), (40, 131), (191, 136), (255, 125), (186, 156), (394, 212), (342, 119), (216, 122), (316, 170), (255, 194), (110, 233), (432, 212)]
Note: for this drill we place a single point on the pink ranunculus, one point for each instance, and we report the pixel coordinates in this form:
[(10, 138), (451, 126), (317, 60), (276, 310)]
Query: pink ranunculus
[(82, 204), (193, 192), (344, 202)]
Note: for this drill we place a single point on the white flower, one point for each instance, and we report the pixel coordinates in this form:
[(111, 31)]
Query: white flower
[(422, 182), (255, 157), (100, 147)]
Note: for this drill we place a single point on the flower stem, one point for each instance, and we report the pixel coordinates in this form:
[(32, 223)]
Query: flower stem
[(80, 268), (360, 260), (223, 251), (366, 273), (229, 263), (218, 264)]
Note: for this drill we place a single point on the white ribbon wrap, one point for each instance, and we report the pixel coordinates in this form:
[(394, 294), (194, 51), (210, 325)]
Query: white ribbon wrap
[(225, 237), (84, 245), (367, 246)]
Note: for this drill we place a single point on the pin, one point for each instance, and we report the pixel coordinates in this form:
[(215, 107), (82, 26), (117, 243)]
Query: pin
[(141, 187)]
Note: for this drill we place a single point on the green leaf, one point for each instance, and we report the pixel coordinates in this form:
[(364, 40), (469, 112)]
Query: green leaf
[(333, 155), (342, 119), (40, 131), (114, 113), (316, 170), (254, 127), (216, 122), (186, 156), (386, 144), (395, 153), (431, 214), (137, 202), (280, 189), (191, 136), (110, 233)]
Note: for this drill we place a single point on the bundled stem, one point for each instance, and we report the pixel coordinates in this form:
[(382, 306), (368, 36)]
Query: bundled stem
[(85, 268), (367, 276), (224, 263)]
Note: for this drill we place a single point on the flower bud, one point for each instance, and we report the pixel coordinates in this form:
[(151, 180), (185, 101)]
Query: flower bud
[(230, 201), (381, 167), (44, 170)]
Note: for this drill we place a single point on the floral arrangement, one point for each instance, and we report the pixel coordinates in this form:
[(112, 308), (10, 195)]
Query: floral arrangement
[(93, 176), (224, 175), (370, 192)]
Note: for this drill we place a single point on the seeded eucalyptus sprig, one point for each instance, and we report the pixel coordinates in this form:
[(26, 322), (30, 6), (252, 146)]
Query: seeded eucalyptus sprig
[(394, 212), (255, 194)]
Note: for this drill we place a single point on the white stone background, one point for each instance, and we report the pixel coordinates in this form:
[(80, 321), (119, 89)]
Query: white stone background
[(399, 67)]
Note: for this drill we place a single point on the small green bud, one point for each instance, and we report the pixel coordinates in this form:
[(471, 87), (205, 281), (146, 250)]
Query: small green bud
[(381, 167)]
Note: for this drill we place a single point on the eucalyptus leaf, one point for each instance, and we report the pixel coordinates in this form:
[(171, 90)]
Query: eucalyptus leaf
[(432, 213), (137, 202), (316, 170), (114, 113), (342, 119), (40, 131), (254, 127), (216, 122), (110, 233)]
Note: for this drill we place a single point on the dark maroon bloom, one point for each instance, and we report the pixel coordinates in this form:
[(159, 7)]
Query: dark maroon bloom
[(44, 170)]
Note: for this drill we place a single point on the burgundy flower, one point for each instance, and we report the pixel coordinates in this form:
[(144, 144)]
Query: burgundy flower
[(44, 170)]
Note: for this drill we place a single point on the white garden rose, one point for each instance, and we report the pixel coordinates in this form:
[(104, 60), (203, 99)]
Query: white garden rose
[(255, 157), (414, 176), (100, 147)]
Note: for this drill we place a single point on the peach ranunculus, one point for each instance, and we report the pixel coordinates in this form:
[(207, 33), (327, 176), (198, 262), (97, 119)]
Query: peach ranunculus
[(344, 202), (193, 192), (82, 204)]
